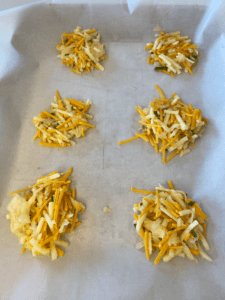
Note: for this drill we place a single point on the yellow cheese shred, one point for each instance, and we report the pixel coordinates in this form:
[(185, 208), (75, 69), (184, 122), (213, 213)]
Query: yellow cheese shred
[(172, 155), (160, 92), (187, 67), (41, 208), (142, 191), (129, 140), (75, 216), (161, 253), (54, 144), (60, 252), (157, 203), (146, 210), (146, 242), (195, 252), (171, 185)]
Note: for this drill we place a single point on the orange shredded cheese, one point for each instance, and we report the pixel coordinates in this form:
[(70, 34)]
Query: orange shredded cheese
[(142, 191), (171, 185), (129, 140), (147, 244)]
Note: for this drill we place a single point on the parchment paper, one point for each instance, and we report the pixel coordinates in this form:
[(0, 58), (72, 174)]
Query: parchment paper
[(101, 261)]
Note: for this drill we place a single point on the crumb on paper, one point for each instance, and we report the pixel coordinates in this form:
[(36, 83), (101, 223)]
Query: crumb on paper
[(157, 28), (106, 209), (171, 223)]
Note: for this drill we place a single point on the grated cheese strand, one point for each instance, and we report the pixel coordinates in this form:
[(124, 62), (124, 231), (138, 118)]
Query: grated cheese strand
[(129, 140), (142, 191), (161, 253), (171, 185), (146, 242)]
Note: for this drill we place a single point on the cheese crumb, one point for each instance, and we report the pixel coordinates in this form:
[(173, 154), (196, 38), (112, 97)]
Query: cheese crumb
[(106, 209), (157, 28)]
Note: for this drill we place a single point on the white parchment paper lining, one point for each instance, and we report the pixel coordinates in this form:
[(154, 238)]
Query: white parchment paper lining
[(101, 261)]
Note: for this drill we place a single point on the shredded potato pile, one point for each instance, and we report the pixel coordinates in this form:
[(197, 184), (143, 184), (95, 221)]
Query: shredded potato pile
[(81, 50), (172, 53), (170, 125), (44, 212), (172, 223), (67, 118)]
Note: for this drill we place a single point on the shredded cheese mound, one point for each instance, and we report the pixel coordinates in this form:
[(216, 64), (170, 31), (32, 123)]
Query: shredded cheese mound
[(172, 223), (170, 126), (67, 119), (42, 213), (81, 50), (171, 53)]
